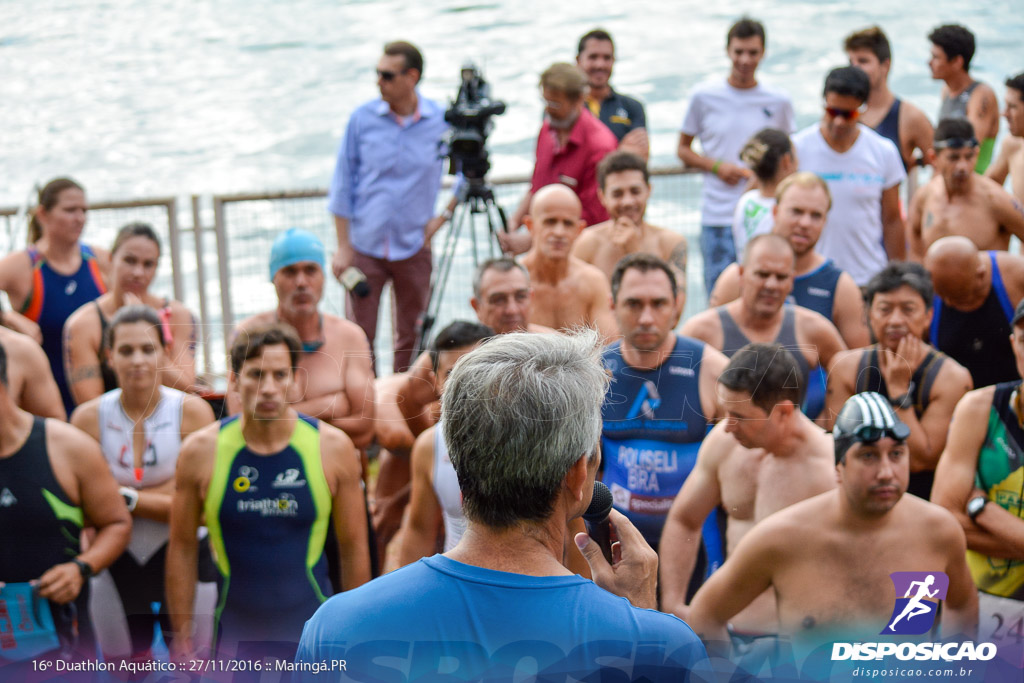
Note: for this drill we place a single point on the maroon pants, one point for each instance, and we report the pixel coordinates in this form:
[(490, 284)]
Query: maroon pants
[(410, 285)]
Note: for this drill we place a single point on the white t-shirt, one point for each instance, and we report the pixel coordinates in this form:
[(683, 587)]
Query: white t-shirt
[(856, 178), (724, 119), (753, 217)]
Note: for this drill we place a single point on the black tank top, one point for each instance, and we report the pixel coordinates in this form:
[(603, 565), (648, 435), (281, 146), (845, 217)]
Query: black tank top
[(979, 340), (109, 378), (869, 378), (733, 340), (889, 127)]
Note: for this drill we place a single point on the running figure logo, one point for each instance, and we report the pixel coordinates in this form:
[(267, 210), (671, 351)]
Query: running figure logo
[(914, 613)]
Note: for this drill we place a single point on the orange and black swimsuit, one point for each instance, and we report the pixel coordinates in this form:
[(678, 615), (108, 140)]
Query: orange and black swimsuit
[(52, 300)]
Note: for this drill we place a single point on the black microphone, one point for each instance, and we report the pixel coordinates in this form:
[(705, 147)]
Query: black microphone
[(355, 282), (596, 519)]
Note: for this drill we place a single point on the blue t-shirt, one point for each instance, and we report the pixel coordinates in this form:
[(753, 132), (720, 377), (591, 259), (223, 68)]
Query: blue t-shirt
[(438, 619)]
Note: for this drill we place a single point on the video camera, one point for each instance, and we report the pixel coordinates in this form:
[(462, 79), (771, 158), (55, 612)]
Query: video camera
[(470, 118)]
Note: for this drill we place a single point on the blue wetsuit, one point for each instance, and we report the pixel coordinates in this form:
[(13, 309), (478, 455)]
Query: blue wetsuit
[(816, 290), (653, 428), (268, 517), (52, 300)]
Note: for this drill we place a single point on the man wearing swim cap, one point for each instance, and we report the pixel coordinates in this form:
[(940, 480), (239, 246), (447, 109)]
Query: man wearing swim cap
[(333, 379), (958, 201), (979, 480), (829, 557)]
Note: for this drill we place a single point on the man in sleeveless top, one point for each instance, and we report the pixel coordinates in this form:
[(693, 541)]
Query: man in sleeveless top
[(334, 376), (521, 417), (829, 558), (921, 383), (52, 479), (975, 293), (962, 96), (661, 401), (802, 204), (1011, 155), (761, 313), (957, 201), (893, 118), (765, 456), (979, 479), (270, 483), (436, 497)]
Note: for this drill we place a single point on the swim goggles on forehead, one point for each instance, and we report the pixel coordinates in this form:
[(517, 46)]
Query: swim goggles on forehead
[(871, 434), (955, 143)]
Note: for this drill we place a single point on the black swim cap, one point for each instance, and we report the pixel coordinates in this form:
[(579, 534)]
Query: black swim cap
[(866, 418)]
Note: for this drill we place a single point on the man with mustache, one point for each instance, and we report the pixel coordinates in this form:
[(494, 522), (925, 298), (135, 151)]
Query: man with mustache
[(572, 142)]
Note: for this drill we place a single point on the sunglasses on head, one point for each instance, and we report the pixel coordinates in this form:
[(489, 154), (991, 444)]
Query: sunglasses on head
[(848, 114), (870, 434), (389, 75)]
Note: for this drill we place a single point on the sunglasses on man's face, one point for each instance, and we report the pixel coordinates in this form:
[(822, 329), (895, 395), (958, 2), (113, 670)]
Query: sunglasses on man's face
[(848, 114), (389, 75)]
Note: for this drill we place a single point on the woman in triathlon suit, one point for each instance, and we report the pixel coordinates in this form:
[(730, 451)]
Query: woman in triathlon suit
[(140, 427), (134, 259), (57, 273)]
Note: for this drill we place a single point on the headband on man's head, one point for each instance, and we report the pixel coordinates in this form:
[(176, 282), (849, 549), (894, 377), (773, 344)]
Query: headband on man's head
[(955, 143)]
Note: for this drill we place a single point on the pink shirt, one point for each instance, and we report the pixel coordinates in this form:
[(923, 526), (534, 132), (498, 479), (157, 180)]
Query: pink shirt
[(575, 164)]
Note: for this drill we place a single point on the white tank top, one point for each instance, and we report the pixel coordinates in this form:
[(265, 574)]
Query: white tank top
[(163, 444), (446, 486)]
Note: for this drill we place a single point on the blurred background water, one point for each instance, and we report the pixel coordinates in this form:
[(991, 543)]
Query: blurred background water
[(142, 98)]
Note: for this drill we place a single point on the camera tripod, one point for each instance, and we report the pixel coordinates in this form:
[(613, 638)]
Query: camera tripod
[(474, 197)]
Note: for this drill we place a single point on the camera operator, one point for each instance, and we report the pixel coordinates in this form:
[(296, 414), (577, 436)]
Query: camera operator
[(572, 142), (391, 149)]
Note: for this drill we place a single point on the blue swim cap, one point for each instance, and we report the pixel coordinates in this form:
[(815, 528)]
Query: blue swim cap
[(295, 245)]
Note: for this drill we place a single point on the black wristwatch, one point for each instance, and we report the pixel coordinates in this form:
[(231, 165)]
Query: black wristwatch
[(904, 401), (84, 568), (975, 506)]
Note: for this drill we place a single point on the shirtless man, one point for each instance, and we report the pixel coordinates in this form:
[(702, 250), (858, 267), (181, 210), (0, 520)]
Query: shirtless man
[(829, 558), (891, 117), (957, 201), (1011, 155), (802, 203), (761, 314), (976, 294), (962, 96), (624, 188), (29, 380), (766, 455), (502, 297), (334, 378), (435, 489), (922, 384), (567, 292)]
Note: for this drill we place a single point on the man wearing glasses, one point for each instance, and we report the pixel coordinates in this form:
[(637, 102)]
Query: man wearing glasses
[(863, 171), (383, 194)]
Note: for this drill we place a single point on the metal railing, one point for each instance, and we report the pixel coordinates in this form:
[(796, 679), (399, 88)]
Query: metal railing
[(244, 226)]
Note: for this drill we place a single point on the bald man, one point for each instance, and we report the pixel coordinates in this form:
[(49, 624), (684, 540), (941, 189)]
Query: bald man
[(958, 201), (761, 313), (975, 295), (566, 291)]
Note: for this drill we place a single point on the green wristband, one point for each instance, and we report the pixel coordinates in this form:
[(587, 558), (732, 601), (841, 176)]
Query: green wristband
[(715, 166)]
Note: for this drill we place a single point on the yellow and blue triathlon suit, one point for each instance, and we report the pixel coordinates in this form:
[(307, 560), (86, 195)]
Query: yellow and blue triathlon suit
[(268, 517), (1000, 474), (52, 300)]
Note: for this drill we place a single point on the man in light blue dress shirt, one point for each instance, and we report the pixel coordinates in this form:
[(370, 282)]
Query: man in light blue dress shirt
[(383, 195)]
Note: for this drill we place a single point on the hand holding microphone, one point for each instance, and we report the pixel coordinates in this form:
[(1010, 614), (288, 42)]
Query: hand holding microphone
[(354, 280), (634, 575)]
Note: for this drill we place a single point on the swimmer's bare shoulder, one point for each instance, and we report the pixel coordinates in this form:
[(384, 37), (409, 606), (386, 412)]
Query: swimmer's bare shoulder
[(705, 326), (589, 242)]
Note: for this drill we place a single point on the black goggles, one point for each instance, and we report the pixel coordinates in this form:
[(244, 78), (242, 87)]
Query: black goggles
[(871, 434)]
